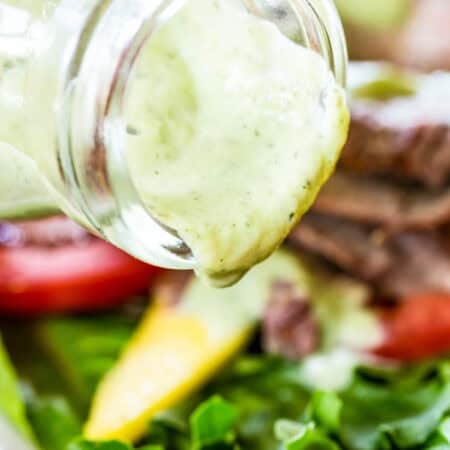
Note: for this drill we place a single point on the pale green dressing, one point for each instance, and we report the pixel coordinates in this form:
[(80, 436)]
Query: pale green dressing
[(232, 129)]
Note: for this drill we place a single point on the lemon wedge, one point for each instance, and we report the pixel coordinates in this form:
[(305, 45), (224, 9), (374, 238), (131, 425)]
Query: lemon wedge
[(178, 348)]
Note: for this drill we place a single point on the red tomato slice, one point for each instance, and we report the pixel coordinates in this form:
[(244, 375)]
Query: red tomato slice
[(416, 329), (69, 277)]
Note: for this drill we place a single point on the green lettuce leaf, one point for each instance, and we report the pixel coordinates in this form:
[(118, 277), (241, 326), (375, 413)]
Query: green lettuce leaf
[(247, 402), (441, 438), (83, 349), (11, 403), (325, 408), (380, 409), (81, 444), (320, 423), (87, 445), (237, 410), (213, 422), (263, 389), (395, 410), (60, 361), (171, 429), (298, 436), (54, 422), (309, 437)]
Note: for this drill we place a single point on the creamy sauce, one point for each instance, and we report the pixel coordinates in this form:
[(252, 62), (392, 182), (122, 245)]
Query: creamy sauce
[(330, 371), (232, 129), (349, 330), (228, 310), (24, 190)]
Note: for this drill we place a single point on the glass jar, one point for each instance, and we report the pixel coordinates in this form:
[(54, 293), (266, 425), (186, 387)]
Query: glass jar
[(66, 66)]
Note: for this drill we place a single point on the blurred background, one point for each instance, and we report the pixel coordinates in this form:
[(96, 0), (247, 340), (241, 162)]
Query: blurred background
[(414, 33)]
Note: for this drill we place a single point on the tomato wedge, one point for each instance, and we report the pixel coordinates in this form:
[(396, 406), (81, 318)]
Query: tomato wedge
[(418, 328), (68, 277)]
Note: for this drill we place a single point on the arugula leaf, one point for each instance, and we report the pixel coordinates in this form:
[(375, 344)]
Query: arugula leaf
[(285, 430), (84, 348), (440, 439), (321, 421), (438, 447), (396, 411), (263, 389), (54, 422), (380, 410), (311, 439), (213, 422), (81, 444), (444, 429), (152, 447), (67, 357), (260, 389), (61, 360), (11, 403), (297, 436), (325, 408), (167, 433)]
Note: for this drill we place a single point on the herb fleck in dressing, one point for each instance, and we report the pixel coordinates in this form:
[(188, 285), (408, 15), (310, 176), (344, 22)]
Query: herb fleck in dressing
[(233, 130)]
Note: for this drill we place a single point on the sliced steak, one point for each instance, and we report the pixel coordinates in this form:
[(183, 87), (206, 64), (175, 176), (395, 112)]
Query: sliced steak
[(422, 41), (403, 136), (398, 265), (49, 232), (289, 328), (347, 244), (382, 202), (420, 264)]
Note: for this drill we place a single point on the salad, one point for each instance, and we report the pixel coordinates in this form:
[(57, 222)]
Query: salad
[(288, 358), (339, 341)]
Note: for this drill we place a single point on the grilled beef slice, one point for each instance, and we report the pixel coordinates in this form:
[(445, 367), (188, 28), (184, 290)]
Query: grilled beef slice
[(402, 136), (422, 41), (396, 265), (289, 328), (382, 202)]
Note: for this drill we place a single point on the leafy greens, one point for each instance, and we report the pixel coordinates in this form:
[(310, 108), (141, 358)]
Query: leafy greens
[(257, 403)]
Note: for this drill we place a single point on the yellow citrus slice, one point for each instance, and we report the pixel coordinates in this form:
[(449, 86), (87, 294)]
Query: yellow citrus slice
[(177, 348)]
